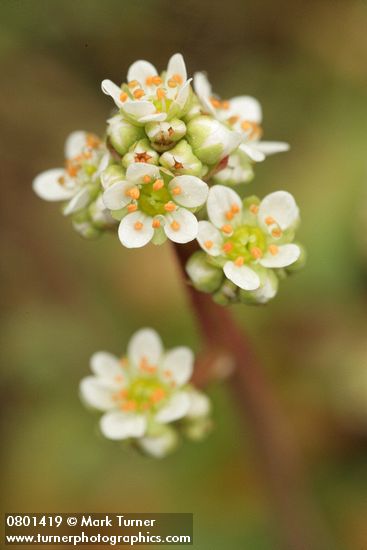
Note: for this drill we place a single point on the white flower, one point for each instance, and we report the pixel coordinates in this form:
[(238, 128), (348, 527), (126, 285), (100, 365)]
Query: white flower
[(245, 240), (157, 205), (77, 183), (243, 114), (148, 96), (143, 392)]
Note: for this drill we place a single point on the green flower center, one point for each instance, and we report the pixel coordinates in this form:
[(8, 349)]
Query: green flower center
[(151, 201), (143, 394), (247, 242)]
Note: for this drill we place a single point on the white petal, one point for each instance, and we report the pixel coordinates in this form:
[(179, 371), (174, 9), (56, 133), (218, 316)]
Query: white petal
[(267, 289), (105, 365), (114, 197), (46, 185), (145, 344), (105, 160), (160, 445), (176, 408), (199, 404), (139, 109), (140, 71), (75, 144), (155, 117), (280, 206), (119, 425), (194, 191), (137, 170), (242, 276), (96, 394), (130, 236), (252, 151), (79, 201), (208, 233), (204, 91), (111, 89), (272, 147), (220, 201), (176, 65), (287, 254), (247, 107), (178, 365), (183, 94), (187, 228)]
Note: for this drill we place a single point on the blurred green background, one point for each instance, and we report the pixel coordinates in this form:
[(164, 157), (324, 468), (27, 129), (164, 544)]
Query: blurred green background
[(65, 298)]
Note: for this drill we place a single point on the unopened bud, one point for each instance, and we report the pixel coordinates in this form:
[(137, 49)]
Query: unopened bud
[(205, 277), (211, 140), (164, 135), (121, 134)]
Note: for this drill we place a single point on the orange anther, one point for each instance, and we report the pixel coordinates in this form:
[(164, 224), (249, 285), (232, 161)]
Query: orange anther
[(269, 220), (119, 377), (177, 78), (239, 261), (168, 373), (129, 405), (138, 226), (158, 184), (254, 209), (225, 104), (229, 215), (235, 208), (158, 395), (246, 125), (215, 102), (172, 83), (170, 206), (123, 96), (256, 252), (227, 247), (133, 83), (132, 207), (161, 93), (61, 180), (156, 80), (233, 119), (133, 193), (208, 244), (149, 80), (175, 226), (273, 249), (227, 228), (147, 179), (276, 232), (156, 223), (92, 141), (138, 93), (176, 190)]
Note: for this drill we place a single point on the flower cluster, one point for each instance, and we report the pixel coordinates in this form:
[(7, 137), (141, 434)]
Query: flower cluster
[(145, 396)]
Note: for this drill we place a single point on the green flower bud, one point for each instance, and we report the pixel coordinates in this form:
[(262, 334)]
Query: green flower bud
[(142, 151), (205, 277), (227, 294), (159, 441), (122, 135), (211, 140), (194, 109), (181, 160), (164, 135), (197, 429), (267, 290), (112, 174), (238, 170)]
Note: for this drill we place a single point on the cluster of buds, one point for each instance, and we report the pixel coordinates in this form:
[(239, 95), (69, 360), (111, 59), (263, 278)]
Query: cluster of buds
[(165, 169)]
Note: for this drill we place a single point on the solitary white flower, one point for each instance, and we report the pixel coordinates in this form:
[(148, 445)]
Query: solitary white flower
[(156, 205), (249, 239), (243, 114), (79, 182), (144, 392), (148, 96)]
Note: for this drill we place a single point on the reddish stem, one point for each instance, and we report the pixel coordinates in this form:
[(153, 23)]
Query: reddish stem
[(300, 527)]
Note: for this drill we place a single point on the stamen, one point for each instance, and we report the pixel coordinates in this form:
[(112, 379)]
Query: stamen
[(170, 206), (172, 83), (138, 93), (277, 232), (239, 261), (225, 104), (92, 141), (175, 226), (132, 207), (123, 96), (229, 215), (256, 252), (269, 220), (133, 193), (142, 157), (177, 190), (177, 78), (178, 165), (233, 119), (227, 247), (168, 373), (133, 84), (147, 179), (158, 395), (273, 249), (227, 228), (129, 405), (158, 184), (138, 226), (161, 93), (215, 102), (61, 180), (156, 80), (156, 223), (235, 208), (208, 244), (254, 209), (119, 378), (149, 80)]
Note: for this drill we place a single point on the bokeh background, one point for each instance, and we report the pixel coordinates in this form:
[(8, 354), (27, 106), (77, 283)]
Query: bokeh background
[(65, 298)]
